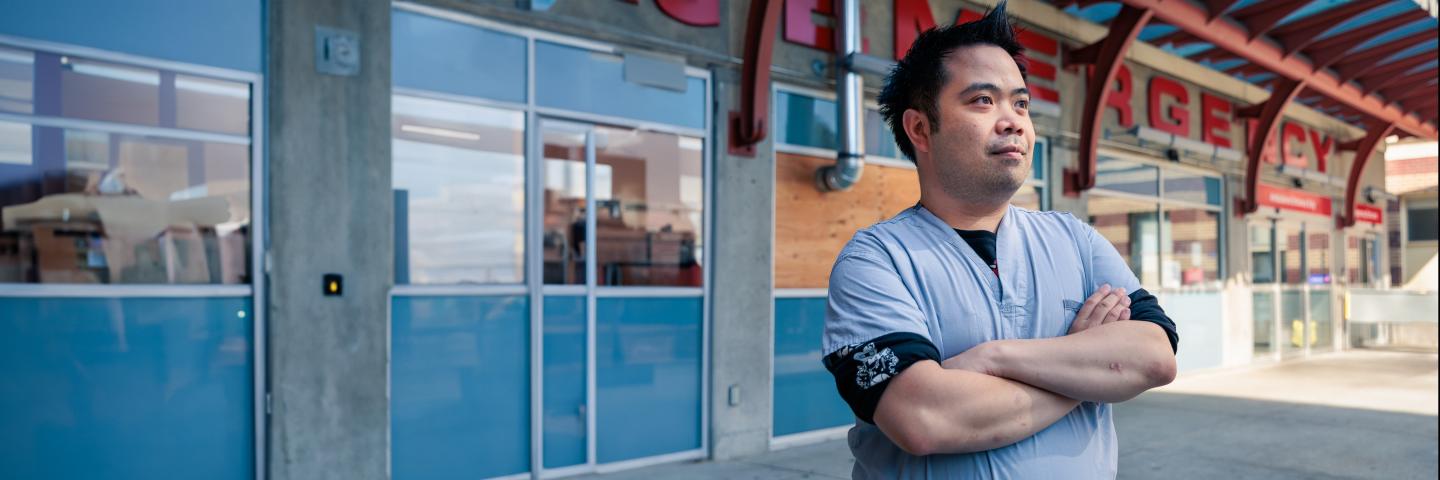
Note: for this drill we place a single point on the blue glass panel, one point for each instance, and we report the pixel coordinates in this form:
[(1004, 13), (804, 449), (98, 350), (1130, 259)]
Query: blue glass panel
[(878, 139), (564, 381), (805, 120), (1037, 159), (805, 395), (126, 388), (444, 56), (647, 376), (594, 82), (460, 386), (221, 34), (1128, 177)]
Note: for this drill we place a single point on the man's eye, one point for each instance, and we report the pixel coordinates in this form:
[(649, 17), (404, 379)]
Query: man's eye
[(1022, 104), (985, 100)]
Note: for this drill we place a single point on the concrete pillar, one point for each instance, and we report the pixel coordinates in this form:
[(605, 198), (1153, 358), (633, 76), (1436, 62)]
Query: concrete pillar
[(330, 212), (741, 324)]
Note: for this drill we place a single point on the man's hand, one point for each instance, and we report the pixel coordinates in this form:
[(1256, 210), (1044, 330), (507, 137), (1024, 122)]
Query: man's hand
[(1106, 305)]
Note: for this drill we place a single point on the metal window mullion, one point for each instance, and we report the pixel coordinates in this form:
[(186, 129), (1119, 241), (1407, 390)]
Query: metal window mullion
[(219, 73), (260, 364), (590, 280), (708, 260), (617, 121), (534, 266), (125, 129)]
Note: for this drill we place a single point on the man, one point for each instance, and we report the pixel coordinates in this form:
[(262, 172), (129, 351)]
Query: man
[(971, 338)]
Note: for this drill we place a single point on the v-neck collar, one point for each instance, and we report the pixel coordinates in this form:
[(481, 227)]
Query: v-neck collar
[(1007, 278)]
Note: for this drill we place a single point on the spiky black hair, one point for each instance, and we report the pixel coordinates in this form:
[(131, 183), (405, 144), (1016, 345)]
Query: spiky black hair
[(916, 80)]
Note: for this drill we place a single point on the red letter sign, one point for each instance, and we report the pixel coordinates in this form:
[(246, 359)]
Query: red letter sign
[(911, 18), (1292, 132), (1179, 121), (699, 13), (1119, 99), (1322, 145), (1214, 129)]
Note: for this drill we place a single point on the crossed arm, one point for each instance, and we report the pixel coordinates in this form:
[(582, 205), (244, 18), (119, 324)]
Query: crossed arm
[(1001, 392)]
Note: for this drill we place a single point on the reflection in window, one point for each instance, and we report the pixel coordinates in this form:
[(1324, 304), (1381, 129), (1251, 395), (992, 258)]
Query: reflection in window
[(1193, 251), (1287, 243), (648, 208), (1128, 177), (563, 242), (649, 193), (17, 73), (878, 139), (126, 209), (806, 121), (95, 90), (1192, 188), (1422, 223), (15, 145), (1132, 227), (459, 176), (1317, 257), (212, 105), (1262, 254), (1357, 261)]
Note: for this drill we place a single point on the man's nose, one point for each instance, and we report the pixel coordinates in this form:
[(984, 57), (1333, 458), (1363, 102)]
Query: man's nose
[(1010, 123)]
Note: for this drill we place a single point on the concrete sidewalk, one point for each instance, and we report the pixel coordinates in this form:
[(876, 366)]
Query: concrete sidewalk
[(1356, 414)]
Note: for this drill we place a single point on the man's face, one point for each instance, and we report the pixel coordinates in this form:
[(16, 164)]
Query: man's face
[(981, 150)]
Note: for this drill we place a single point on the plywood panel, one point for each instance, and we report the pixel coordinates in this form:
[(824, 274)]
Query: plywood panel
[(812, 226)]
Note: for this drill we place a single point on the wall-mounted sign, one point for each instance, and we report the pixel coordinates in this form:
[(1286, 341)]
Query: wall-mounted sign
[(1293, 200), (1369, 214)]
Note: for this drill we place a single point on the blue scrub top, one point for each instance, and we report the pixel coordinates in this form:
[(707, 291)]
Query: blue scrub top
[(913, 273)]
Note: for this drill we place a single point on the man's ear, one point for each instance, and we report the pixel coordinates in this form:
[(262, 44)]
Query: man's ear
[(917, 127)]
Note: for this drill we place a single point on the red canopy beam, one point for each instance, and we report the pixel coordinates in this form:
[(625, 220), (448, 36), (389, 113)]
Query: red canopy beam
[(1177, 37), (1193, 19), (748, 126), (1103, 59), (1269, 115), (1422, 103), (1364, 148)]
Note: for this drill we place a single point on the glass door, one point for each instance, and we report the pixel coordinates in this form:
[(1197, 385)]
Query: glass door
[(1290, 264), (622, 247), (1319, 280), (1265, 282), (567, 247)]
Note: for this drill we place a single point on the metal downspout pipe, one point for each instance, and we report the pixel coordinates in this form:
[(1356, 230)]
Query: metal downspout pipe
[(850, 160)]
